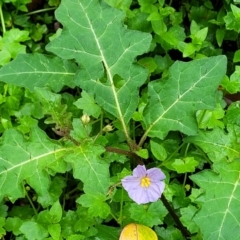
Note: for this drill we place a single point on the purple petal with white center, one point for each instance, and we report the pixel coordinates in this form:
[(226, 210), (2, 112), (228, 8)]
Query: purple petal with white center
[(140, 171), (155, 174)]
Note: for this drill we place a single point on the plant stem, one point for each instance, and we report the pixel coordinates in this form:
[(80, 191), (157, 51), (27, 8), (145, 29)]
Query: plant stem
[(30, 201), (202, 117), (185, 179), (101, 121), (185, 154), (121, 210), (72, 191), (73, 140), (164, 163), (64, 192), (186, 150), (114, 217), (126, 153), (2, 19), (203, 154), (183, 229), (39, 11), (143, 138)]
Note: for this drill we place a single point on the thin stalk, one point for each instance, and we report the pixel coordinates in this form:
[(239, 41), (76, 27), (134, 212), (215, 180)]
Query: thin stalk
[(203, 154), (175, 217), (30, 201), (164, 163), (2, 19), (39, 11), (101, 121), (121, 210), (126, 153), (96, 137), (64, 192), (186, 150), (72, 191), (143, 138), (185, 179), (114, 217), (101, 128), (202, 117), (73, 140), (185, 154), (134, 128)]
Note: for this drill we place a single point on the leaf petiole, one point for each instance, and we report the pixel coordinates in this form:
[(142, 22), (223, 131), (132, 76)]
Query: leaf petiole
[(169, 158), (30, 201), (121, 209), (2, 19), (39, 11)]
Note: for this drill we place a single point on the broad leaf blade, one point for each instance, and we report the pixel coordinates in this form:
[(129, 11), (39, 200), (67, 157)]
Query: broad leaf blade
[(38, 70), (107, 232), (219, 216), (96, 204), (92, 170), (26, 160), (94, 35), (173, 102), (217, 144)]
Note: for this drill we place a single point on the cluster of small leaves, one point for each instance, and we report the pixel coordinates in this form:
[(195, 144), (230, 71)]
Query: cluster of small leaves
[(109, 94), (25, 28)]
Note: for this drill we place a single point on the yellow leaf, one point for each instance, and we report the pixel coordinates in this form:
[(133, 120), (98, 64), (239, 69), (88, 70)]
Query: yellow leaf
[(135, 231)]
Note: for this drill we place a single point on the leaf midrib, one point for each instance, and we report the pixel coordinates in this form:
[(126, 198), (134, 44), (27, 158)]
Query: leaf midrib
[(32, 159), (228, 205), (37, 72), (173, 104), (121, 118)]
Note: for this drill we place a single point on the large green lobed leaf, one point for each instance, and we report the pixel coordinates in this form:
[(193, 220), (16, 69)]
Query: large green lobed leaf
[(27, 161), (94, 35), (38, 70), (90, 168), (219, 215), (217, 144), (173, 102)]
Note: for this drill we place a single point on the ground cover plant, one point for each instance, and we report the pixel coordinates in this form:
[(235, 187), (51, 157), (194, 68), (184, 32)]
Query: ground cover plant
[(121, 121)]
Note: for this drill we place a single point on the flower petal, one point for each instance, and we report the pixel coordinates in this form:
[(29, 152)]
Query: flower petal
[(155, 174), (140, 171), (143, 195), (130, 183), (139, 195), (155, 191)]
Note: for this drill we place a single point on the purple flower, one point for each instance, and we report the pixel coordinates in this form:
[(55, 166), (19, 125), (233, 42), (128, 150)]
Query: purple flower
[(145, 185)]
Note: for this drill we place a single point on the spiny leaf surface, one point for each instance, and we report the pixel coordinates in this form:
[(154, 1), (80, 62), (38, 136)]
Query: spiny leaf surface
[(92, 170), (219, 215), (173, 102), (26, 160), (38, 70), (218, 144), (94, 35)]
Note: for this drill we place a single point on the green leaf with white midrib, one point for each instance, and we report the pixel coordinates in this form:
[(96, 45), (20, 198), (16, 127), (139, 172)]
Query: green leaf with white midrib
[(28, 162), (218, 217), (173, 102), (217, 144), (38, 70), (94, 35), (90, 168)]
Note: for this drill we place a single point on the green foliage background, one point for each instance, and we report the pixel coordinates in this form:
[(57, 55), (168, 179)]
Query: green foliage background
[(93, 88)]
